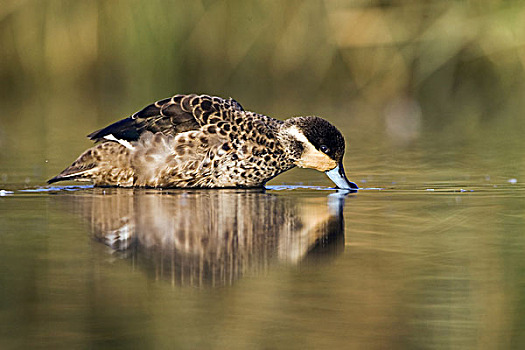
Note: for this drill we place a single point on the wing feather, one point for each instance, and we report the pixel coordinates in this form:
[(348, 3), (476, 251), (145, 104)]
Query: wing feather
[(169, 116)]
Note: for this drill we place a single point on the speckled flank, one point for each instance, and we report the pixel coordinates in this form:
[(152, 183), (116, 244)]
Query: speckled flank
[(196, 141)]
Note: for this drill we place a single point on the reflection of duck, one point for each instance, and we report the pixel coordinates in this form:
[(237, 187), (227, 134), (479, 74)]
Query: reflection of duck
[(214, 236), (204, 141)]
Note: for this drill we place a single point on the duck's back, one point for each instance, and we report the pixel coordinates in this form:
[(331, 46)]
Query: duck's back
[(184, 141)]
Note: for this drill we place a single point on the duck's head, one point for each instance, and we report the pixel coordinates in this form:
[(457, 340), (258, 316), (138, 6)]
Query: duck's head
[(316, 144)]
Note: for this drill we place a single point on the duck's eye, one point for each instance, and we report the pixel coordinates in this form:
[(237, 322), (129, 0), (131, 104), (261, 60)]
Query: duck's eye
[(324, 149)]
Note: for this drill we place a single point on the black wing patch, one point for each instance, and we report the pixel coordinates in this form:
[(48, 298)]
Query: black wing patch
[(170, 116), (164, 116), (126, 129)]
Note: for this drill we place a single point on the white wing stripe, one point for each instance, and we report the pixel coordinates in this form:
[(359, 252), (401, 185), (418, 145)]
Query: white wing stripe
[(124, 143)]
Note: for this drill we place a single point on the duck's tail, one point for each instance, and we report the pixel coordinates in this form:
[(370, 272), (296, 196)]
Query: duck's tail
[(72, 173), (106, 163)]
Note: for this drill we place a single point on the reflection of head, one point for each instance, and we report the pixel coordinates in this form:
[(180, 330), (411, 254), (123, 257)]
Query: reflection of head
[(211, 236)]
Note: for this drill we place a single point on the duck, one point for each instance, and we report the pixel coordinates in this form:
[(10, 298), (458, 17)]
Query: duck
[(202, 141)]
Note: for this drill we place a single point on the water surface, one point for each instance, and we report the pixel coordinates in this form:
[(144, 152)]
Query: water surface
[(285, 267)]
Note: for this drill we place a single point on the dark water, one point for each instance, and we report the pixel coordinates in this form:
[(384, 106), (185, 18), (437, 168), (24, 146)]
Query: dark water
[(437, 265)]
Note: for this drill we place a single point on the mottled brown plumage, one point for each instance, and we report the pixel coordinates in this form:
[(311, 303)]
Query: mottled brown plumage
[(208, 142)]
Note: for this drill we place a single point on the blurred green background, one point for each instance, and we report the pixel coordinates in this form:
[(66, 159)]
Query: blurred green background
[(390, 74)]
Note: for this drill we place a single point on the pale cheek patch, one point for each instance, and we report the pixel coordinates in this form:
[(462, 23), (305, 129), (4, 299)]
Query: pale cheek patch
[(124, 143), (314, 159), (311, 157)]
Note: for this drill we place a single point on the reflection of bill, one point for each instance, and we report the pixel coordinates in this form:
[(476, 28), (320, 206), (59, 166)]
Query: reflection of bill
[(213, 236)]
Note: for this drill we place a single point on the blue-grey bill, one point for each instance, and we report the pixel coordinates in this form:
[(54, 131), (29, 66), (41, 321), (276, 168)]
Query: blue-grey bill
[(337, 175)]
